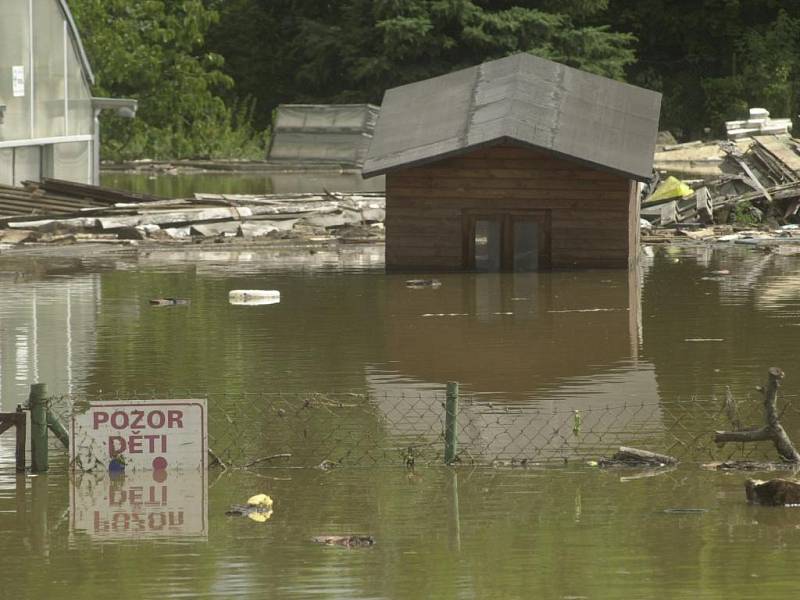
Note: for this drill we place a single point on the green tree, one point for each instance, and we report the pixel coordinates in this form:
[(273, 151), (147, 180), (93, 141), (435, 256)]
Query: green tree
[(714, 59), (352, 50), (155, 51)]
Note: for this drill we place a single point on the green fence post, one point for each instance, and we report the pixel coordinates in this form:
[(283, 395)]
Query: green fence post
[(21, 431), (451, 423), (57, 428), (37, 402)]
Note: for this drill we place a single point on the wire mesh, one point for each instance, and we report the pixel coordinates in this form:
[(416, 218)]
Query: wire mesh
[(254, 430)]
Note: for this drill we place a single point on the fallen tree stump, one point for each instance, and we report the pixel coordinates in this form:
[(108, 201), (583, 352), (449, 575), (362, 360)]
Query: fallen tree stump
[(773, 430), (775, 492), (633, 457)]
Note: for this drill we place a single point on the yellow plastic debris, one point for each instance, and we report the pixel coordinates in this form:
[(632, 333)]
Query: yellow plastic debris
[(259, 516), (671, 187), (260, 500)]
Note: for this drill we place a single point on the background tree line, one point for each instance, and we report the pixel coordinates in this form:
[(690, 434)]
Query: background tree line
[(208, 73)]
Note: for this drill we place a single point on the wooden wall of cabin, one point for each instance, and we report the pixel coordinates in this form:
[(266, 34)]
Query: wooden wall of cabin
[(593, 214)]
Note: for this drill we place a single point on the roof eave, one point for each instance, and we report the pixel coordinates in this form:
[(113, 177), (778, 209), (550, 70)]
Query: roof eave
[(368, 172)]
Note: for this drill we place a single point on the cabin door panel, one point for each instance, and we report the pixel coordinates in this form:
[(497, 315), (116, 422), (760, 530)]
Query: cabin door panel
[(518, 241)]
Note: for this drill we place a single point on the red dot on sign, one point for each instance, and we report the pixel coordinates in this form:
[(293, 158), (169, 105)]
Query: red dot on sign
[(159, 463)]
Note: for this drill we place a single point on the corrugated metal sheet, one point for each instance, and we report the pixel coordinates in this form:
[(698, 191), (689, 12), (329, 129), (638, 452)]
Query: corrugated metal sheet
[(522, 98)]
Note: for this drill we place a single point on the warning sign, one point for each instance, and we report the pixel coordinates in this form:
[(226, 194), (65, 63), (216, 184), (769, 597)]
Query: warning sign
[(136, 505), (144, 435)]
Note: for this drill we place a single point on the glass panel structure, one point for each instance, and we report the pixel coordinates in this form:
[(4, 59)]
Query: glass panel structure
[(15, 56), (44, 87), (27, 164), (48, 70), (80, 116), (526, 245), (72, 161), (6, 166), (487, 245)]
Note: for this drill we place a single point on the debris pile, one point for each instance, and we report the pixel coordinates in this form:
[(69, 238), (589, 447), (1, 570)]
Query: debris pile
[(760, 181), (747, 181), (759, 123), (58, 211)]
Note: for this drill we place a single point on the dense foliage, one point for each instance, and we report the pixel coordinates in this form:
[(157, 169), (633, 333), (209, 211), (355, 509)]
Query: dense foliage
[(711, 59), (714, 59), (352, 50), (155, 51)]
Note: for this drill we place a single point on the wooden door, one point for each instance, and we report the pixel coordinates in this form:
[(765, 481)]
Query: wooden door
[(506, 241)]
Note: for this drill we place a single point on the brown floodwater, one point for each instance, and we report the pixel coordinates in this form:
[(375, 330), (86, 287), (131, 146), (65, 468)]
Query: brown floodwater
[(185, 184), (672, 331)]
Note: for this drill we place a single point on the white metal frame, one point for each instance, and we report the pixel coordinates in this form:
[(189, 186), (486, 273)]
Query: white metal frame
[(64, 139)]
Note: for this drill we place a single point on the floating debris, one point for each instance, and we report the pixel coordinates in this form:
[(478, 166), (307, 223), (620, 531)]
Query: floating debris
[(169, 301), (685, 511), (584, 310), (258, 509), (345, 541), (633, 457), (418, 284), (61, 211), (704, 340), (254, 297), (775, 492)]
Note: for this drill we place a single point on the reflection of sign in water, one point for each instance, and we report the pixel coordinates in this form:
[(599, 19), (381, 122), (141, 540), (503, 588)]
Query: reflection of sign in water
[(140, 435), (143, 504)]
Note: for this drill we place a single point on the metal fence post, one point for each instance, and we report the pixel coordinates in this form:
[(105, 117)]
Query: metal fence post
[(451, 423), (38, 404)]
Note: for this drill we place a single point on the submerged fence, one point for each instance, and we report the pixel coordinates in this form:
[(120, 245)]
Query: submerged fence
[(256, 430)]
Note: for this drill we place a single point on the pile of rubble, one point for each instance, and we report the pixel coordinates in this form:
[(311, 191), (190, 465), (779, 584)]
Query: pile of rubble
[(97, 215), (748, 181)]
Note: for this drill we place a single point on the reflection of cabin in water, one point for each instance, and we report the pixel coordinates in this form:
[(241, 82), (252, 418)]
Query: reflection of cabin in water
[(516, 164), (322, 135), (528, 349)]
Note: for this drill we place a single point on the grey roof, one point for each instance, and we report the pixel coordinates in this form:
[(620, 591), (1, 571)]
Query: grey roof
[(76, 40), (521, 99)]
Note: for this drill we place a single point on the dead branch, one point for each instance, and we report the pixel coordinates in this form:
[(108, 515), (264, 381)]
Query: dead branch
[(265, 459), (773, 430), (216, 460), (731, 409)]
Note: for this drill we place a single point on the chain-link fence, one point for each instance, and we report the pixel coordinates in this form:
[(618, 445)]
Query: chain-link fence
[(365, 429)]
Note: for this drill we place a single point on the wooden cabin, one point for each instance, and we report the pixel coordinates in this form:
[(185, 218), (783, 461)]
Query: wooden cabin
[(517, 164)]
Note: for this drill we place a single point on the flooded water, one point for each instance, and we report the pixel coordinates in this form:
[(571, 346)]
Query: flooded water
[(184, 185), (674, 330)]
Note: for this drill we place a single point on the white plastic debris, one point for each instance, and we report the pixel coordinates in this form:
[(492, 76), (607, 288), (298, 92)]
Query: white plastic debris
[(254, 297)]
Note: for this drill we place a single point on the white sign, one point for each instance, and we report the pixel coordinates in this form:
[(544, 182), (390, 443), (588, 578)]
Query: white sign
[(154, 504), (143, 435), (18, 80)]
